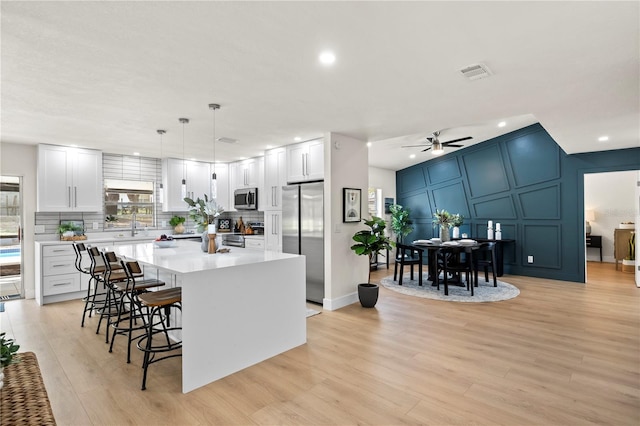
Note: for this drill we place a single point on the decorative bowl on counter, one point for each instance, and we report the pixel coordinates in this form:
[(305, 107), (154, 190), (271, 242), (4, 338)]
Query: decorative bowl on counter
[(165, 243)]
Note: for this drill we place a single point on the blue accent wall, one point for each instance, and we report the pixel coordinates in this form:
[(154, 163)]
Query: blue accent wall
[(524, 181)]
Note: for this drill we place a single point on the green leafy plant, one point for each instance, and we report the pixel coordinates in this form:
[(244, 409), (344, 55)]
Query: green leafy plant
[(64, 227), (457, 219), (176, 220), (110, 218), (400, 223), (203, 212), (8, 349), (443, 218), (371, 241), (632, 247)]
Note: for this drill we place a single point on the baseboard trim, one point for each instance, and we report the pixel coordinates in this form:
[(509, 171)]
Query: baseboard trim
[(340, 302)]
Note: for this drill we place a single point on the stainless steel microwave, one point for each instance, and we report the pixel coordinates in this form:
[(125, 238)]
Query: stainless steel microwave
[(245, 199)]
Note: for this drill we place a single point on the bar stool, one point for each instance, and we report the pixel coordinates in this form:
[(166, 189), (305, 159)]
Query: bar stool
[(130, 315), (113, 274), (158, 305), (92, 287)]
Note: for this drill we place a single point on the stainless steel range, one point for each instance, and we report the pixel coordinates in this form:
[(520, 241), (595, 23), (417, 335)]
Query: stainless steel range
[(234, 240)]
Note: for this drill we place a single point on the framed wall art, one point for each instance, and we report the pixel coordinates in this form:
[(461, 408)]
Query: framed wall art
[(351, 202)]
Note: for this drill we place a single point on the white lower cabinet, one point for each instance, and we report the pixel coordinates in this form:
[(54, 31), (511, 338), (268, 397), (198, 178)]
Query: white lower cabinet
[(57, 278), (254, 243)]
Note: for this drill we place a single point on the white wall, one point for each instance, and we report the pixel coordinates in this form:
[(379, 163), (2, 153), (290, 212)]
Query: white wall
[(346, 166), (612, 197), (21, 160)]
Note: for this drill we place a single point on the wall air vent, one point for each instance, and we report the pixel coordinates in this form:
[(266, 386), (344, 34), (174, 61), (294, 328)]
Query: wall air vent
[(227, 140), (475, 71)]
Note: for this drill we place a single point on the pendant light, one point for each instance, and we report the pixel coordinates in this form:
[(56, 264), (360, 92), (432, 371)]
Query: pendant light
[(214, 178), (161, 188), (183, 186)]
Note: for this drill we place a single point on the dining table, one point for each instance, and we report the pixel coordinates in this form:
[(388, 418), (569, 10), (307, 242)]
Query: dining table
[(435, 245)]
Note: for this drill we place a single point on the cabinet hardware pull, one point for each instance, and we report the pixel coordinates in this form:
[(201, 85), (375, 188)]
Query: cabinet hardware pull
[(58, 250), (69, 195), (59, 284), (75, 196), (60, 266)]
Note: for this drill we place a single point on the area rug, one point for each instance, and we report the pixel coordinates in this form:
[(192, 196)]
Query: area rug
[(485, 292), (312, 312)]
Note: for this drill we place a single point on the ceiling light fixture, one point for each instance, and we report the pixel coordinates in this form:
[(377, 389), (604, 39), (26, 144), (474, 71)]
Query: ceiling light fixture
[(183, 185), (327, 58), (502, 124), (214, 177), (161, 187), (137, 154), (412, 156), (437, 148), (297, 139), (369, 144), (603, 138)]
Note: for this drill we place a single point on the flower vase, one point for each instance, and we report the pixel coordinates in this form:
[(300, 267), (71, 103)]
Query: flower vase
[(444, 233), (178, 229), (456, 232), (205, 241)]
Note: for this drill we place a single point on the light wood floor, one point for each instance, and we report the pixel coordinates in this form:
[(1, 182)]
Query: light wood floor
[(559, 354)]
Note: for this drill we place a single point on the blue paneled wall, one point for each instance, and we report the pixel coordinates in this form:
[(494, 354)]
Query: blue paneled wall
[(524, 181)]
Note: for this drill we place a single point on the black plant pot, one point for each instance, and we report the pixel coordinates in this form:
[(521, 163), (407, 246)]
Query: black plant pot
[(368, 294)]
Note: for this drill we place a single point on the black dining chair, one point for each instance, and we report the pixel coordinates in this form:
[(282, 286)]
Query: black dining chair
[(455, 261), (485, 258), (408, 255)]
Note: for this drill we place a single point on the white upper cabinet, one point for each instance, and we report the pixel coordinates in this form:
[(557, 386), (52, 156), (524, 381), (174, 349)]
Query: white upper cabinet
[(69, 179), (198, 181), (275, 170), (305, 161), (247, 174)]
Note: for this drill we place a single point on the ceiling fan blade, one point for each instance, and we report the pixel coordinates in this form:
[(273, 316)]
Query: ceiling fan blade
[(426, 149), (454, 146), (414, 146), (457, 140), (430, 139)]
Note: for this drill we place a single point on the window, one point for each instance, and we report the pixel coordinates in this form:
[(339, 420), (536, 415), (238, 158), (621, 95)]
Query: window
[(125, 198)]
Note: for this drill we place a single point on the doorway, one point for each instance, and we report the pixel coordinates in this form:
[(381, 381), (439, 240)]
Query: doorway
[(11, 285), (610, 202)]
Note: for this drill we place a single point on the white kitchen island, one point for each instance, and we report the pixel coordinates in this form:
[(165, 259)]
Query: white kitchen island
[(238, 308)]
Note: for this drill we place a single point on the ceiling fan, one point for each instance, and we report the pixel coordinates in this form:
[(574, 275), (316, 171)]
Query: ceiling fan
[(433, 142)]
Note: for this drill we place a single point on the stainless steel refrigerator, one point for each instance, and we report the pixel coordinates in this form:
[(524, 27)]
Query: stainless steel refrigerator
[(303, 231)]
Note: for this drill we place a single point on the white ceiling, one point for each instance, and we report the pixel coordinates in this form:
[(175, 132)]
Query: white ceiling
[(108, 74)]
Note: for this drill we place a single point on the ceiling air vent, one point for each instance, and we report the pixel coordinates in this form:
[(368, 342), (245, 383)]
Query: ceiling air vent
[(227, 140), (475, 71)]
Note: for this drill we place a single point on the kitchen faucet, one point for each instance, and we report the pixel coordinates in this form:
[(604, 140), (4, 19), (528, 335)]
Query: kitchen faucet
[(133, 225)]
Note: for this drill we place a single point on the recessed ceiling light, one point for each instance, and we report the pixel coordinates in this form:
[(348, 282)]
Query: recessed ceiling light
[(192, 159), (297, 139), (502, 124), (368, 144), (412, 156), (327, 58), (603, 138), (136, 153)]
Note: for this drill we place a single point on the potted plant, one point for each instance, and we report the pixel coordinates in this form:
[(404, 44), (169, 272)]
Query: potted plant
[(400, 223), (67, 230), (628, 263), (444, 220), (177, 223), (370, 242), (204, 212), (457, 220), (8, 349)]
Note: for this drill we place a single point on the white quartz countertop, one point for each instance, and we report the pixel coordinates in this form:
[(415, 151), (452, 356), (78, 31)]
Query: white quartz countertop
[(187, 256)]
